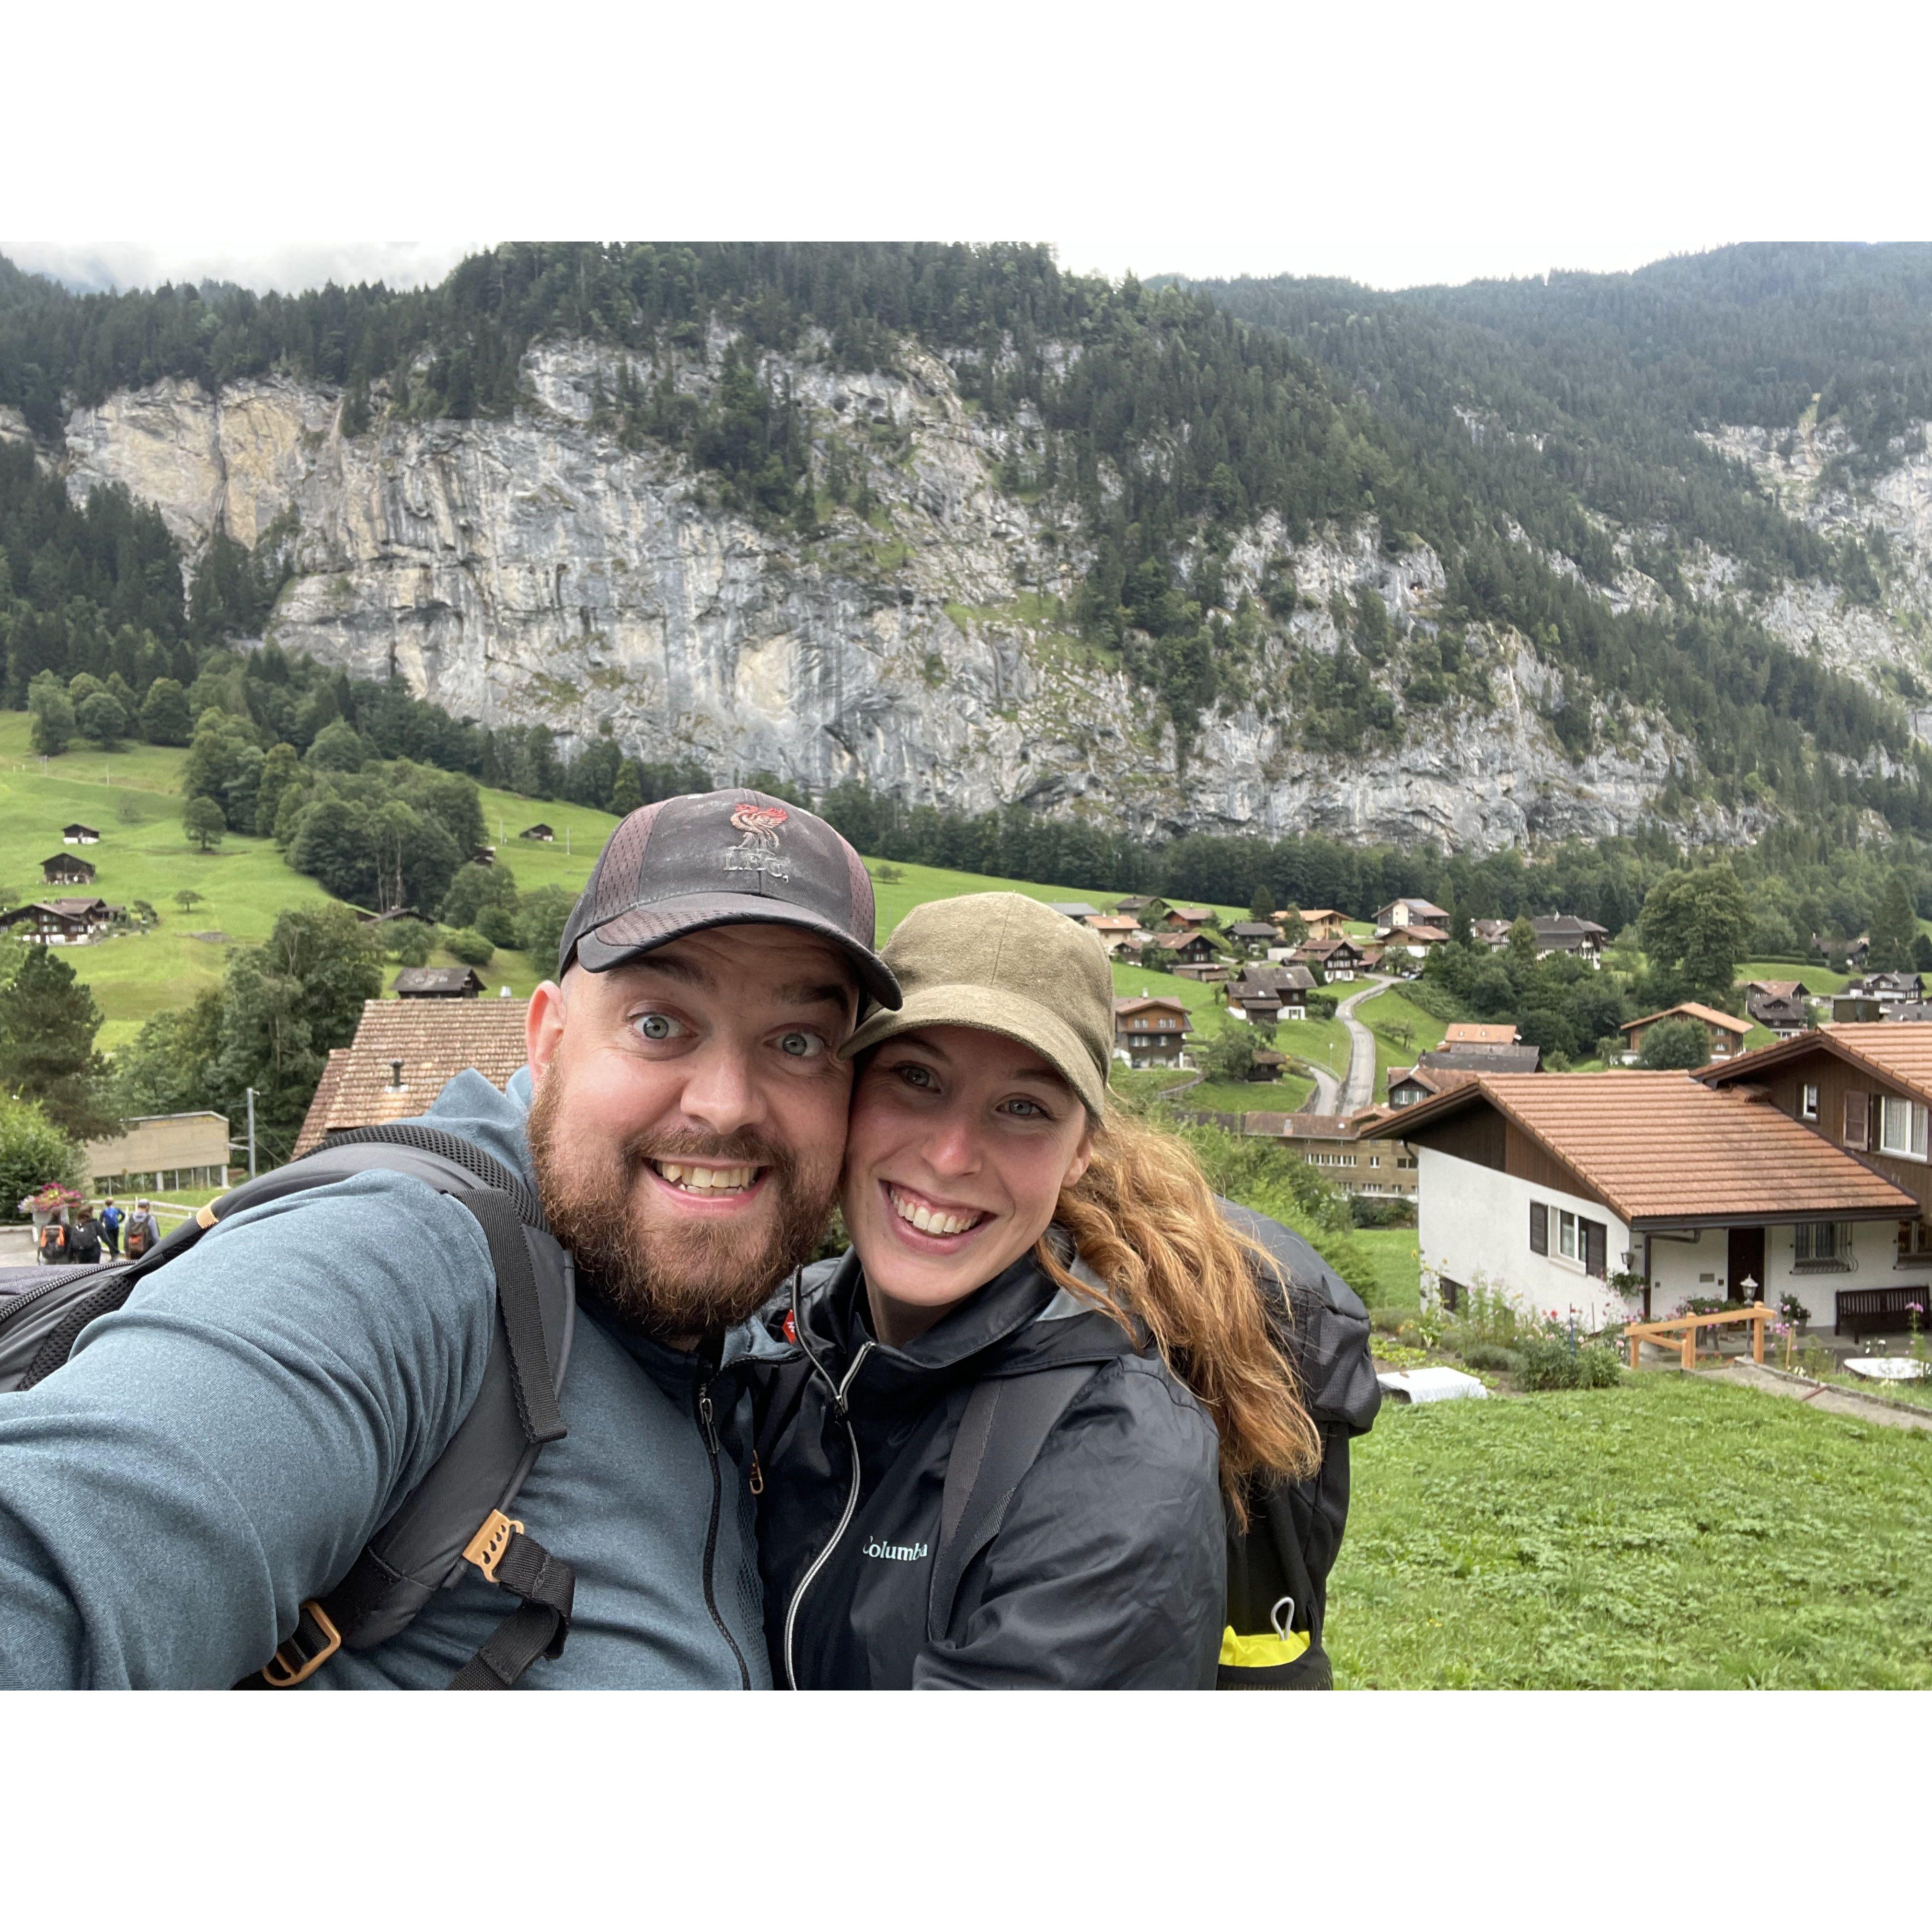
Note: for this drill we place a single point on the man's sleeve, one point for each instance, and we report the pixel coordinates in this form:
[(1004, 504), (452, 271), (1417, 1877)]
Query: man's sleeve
[(1110, 1570), (223, 1446)]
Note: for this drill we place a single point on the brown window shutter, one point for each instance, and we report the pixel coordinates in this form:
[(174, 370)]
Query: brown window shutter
[(1539, 1228), (1596, 1248), (1857, 1114)]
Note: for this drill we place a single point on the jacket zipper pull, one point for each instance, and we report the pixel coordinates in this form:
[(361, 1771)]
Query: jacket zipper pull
[(706, 1419), (757, 1481)]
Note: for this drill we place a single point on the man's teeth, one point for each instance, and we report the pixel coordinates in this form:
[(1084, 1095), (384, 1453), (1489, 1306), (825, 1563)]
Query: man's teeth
[(930, 1220), (706, 1179)]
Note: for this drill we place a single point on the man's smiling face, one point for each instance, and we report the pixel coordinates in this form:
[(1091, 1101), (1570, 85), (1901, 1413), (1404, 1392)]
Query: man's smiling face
[(690, 1119)]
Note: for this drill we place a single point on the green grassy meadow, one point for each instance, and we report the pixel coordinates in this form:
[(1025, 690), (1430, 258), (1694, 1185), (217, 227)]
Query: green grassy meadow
[(1669, 1533), (1395, 1265), (245, 882)]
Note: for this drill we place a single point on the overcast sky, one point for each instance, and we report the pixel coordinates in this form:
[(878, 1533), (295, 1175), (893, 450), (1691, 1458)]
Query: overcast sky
[(1396, 144)]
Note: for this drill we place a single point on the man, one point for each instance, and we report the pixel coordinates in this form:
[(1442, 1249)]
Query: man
[(221, 1449), (144, 1231), (83, 1244), (111, 1218)]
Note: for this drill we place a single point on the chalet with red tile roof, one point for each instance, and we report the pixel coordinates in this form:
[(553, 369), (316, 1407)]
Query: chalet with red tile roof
[(1547, 1186)]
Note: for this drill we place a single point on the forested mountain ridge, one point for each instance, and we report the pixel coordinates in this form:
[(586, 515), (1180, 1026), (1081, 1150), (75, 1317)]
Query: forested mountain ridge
[(953, 524)]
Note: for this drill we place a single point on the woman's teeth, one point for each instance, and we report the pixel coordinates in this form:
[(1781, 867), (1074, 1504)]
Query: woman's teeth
[(930, 1220), (706, 1179)]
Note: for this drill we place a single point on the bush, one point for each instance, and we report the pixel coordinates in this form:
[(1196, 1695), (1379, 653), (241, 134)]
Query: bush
[(468, 945), (541, 917), (409, 942), (1674, 1044), (497, 924), (1492, 1356), (1370, 1212), (33, 1151), (1391, 1321), (1551, 1360)]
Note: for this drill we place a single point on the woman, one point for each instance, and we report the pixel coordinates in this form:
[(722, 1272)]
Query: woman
[(1012, 1235)]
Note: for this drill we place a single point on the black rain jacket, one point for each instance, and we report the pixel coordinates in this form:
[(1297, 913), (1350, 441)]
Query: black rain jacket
[(1109, 1569)]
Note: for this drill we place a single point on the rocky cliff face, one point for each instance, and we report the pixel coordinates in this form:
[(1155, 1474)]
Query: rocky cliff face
[(1886, 642), (535, 570)]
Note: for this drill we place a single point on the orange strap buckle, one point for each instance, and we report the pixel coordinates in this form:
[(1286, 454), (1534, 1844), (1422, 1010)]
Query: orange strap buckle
[(487, 1546), (315, 1641)]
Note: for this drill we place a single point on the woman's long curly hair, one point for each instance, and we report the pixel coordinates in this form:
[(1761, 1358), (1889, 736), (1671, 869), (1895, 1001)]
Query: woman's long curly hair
[(1144, 1219)]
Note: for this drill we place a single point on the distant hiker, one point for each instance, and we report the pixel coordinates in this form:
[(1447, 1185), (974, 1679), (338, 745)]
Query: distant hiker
[(1041, 1286), (144, 1231), (187, 1497), (110, 1219), (83, 1240)]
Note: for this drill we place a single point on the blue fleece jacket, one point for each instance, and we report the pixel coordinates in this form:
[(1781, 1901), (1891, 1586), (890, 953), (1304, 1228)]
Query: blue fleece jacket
[(223, 1446)]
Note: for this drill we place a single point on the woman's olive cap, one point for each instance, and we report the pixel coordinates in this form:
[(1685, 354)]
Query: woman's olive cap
[(1006, 965)]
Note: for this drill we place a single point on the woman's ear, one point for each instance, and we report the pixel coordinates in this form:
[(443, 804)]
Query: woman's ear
[(1083, 1158)]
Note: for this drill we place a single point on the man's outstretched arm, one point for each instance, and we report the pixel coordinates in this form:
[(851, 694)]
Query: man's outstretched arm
[(223, 1446)]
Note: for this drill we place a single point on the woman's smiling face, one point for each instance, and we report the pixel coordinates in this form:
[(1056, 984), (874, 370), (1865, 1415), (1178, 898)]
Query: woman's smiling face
[(961, 1141)]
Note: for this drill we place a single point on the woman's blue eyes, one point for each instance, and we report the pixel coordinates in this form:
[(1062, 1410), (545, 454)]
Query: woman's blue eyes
[(921, 1078)]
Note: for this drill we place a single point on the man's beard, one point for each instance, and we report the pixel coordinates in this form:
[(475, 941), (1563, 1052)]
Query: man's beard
[(679, 1279)]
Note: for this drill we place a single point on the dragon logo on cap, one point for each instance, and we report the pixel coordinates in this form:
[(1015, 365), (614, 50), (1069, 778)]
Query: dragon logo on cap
[(757, 850)]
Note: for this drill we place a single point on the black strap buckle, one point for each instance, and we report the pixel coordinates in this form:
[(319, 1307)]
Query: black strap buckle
[(314, 1641)]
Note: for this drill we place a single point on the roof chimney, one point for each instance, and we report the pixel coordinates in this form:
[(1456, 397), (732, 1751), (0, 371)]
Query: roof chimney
[(396, 1076)]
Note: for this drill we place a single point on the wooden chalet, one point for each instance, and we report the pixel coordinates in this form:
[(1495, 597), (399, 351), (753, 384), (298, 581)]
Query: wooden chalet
[(77, 834), (60, 921), (1151, 1031), (1724, 1032), (64, 869), (437, 983), (540, 832)]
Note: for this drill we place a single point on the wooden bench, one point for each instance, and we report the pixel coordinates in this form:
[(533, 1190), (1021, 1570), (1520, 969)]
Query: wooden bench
[(1861, 1310)]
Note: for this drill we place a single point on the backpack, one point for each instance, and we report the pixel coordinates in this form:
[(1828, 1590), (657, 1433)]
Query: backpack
[(458, 1513), (53, 1241), (83, 1244), (137, 1236), (1278, 1567)]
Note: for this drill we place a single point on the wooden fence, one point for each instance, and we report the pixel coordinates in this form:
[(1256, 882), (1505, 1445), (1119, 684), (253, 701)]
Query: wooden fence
[(1681, 1331)]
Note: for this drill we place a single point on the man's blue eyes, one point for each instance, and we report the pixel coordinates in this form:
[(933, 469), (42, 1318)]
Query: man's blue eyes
[(797, 1044)]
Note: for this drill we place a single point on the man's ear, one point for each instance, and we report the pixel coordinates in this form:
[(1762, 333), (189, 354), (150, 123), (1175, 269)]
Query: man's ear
[(543, 1028)]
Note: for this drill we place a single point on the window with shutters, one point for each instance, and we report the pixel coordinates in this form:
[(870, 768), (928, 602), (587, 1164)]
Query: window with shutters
[(1566, 1234), (1857, 1117), (1596, 1248), (1539, 1228)]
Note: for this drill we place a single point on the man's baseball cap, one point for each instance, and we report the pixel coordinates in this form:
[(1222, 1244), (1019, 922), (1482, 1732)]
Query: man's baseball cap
[(724, 858), (1005, 964)]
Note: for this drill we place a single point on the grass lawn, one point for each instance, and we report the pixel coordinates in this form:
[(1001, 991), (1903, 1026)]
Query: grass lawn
[(1668, 1533), (135, 975), (1821, 979), (1396, 1274)]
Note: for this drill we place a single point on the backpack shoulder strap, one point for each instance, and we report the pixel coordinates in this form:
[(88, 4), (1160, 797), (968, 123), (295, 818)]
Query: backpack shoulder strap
[(1006, 1423)]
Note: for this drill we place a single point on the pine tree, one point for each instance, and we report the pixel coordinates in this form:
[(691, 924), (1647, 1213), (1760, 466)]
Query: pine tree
[(626, 793), (48, 1021)]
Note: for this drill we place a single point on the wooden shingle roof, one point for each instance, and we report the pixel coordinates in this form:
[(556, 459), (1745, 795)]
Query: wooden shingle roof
[(434, 1040)]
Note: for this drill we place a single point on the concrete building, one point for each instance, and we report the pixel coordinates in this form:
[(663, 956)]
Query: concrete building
[(155, 1153)]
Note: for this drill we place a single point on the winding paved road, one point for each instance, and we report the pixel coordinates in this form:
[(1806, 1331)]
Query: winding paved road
[(1356, 1089)]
